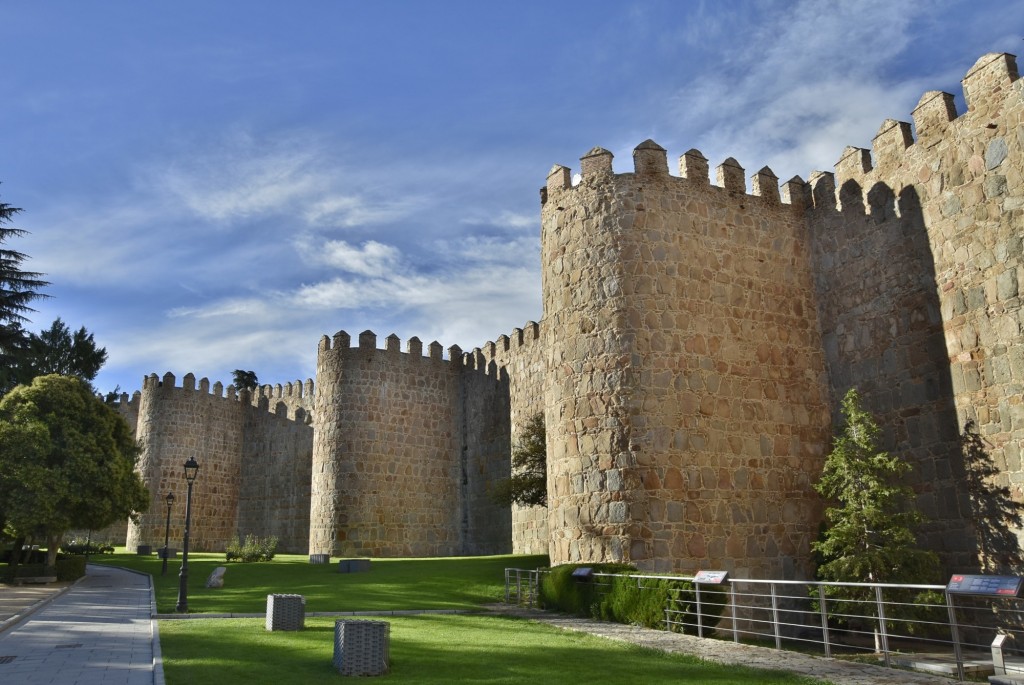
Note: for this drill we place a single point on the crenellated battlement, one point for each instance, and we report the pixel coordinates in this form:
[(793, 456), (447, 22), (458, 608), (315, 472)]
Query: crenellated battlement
[(650, 163), (340, 345), (521, 341), (988, 87), (126, 401), (368, 341), (292, 400)]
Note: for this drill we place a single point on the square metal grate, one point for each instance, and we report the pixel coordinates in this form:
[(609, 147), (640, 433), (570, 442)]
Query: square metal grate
[(73, 645), (6, 659)]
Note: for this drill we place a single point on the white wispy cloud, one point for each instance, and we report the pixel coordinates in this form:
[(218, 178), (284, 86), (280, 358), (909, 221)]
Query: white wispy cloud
[(294, 176), (85, 242), (501, 219), (809, 80), (370, 259), (347, 211)]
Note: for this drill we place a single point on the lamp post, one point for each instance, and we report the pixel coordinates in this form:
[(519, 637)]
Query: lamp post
[(191, 469), (167, 531)]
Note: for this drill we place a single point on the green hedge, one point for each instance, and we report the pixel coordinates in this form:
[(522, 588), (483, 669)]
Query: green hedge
[(67, 568), (561, 592), (628, 600)]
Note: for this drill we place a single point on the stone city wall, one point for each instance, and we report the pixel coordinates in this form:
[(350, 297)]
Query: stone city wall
[(695, 340), (277, 461), (522, 357), (483, 429), (176, 423), (244, 452)]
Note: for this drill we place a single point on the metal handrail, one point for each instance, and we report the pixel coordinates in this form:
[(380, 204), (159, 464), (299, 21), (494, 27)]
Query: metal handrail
[(823, 614)]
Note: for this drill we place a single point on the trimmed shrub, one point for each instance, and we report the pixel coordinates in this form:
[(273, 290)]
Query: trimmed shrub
[(561, 592), (70, 568), (254, 548), (635, 601), (87, 548), (67, 568)]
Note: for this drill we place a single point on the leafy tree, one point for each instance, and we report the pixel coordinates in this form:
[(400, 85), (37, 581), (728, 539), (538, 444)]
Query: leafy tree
[(18, 289), (869, 529), (66, 461), (528, 484), (59, 351), (245, 380)]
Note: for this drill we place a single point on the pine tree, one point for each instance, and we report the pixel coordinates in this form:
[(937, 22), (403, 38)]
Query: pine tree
[(869, 529), (528, 485), (18, 289), (61, 351), (869, 534), (245, 380)]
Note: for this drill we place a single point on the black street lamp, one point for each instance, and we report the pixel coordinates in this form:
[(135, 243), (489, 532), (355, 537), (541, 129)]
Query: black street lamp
[(191, 469), (167, 531)]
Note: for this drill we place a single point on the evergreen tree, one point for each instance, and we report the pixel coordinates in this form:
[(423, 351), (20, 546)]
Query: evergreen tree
[(245, 380), (58, 350), (869, 530), (528, 484), (18, 289), (869, 534)]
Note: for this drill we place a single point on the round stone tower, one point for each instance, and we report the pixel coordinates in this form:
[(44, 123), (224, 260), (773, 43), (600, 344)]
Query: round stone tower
[(685, 398)]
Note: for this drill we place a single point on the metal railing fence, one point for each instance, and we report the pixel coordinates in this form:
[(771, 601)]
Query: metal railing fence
[(895, 625)]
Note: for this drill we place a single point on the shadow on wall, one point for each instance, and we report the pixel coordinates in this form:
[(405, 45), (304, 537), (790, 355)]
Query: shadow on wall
[(883, 332), (993, 510)]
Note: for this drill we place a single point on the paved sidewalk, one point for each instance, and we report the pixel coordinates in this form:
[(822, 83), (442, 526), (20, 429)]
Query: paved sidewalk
[(18, 601), (97, 633), (725, 652)]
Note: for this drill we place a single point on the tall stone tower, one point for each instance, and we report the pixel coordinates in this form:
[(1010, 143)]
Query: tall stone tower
[(404, 448), (687, 401)]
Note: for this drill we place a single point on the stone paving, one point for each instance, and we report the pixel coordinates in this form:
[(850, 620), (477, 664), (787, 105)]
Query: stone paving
[(18, 601), (97, 633)]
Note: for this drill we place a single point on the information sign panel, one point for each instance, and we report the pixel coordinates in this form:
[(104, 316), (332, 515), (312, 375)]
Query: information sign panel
[(711, 577), (992, 586)]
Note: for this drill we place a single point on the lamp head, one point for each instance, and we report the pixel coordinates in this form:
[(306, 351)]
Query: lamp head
[(191, 469)]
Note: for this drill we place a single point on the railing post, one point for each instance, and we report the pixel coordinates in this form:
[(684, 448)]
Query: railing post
[(955, 634), (700, 612), (824, 621), (775, 618), (535, 590), (881, 625), (732, 609)]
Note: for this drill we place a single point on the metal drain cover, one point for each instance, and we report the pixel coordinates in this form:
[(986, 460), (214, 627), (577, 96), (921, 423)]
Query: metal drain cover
[(71, 646), (6, 659)]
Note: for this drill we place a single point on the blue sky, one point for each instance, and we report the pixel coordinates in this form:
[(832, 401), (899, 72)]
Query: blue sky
[(212, 186)]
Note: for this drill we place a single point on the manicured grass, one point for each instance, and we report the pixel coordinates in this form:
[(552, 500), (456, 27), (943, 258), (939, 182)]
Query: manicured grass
[(433, 649), (424, 649), (443, 583)]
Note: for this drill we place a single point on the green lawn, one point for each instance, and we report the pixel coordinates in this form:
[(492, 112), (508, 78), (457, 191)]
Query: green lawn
[(434, 649), (473, 648), (443, 583)]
